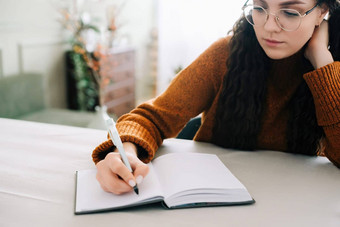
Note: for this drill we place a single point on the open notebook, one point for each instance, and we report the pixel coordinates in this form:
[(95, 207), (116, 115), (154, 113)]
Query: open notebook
[(178, 180)]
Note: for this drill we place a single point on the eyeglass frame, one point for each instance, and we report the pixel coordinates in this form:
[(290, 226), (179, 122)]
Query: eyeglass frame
[(277, 18)]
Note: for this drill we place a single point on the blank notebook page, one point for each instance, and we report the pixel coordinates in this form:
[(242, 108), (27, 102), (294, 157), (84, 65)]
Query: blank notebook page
[(180, 172)]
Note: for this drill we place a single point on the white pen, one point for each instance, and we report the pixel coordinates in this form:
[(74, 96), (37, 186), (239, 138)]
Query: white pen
[(114, 135)]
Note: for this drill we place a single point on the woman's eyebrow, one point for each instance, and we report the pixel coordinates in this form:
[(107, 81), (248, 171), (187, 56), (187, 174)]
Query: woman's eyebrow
[(287, 3), (262, 1), (294, 2)]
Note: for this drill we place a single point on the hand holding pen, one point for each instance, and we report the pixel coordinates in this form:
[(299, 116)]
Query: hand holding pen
[(120, 171)]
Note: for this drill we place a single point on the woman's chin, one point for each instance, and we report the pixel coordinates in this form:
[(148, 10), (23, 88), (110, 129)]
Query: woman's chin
[(277, 56)]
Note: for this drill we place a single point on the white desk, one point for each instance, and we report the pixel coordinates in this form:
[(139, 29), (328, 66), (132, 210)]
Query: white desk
[(37, 183)]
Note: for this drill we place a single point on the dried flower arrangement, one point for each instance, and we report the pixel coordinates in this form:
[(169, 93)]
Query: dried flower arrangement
[(83, 65)]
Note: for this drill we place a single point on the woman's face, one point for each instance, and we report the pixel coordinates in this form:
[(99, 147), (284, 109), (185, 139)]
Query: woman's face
[(278, 43)]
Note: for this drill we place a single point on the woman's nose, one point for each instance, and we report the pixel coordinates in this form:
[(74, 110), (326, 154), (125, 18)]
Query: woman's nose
[(271, 25)]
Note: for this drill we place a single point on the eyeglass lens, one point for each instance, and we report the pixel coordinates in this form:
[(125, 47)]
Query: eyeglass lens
[(287, 19)]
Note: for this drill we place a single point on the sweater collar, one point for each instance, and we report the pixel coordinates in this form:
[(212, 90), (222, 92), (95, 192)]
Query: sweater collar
[(294, 61), (287, 74)]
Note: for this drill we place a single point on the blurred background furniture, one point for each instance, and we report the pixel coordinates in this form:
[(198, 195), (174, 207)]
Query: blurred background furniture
[(190, 129), (22, 97), (113, 84), (119, 94)]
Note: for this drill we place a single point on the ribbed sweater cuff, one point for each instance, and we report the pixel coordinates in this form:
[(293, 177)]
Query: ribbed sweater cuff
[(133, 132), (129, 132), (324, 84)]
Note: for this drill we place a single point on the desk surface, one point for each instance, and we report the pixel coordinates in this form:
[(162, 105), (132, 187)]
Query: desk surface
[(37, 183)]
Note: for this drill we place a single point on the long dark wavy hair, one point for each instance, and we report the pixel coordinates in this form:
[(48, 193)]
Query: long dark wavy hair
[(241, 103)]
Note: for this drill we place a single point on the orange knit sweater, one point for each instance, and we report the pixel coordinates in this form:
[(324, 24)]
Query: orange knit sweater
[(196, 90)]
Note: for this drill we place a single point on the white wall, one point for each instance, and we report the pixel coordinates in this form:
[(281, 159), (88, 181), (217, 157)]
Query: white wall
[(187, 28), (32, 40)]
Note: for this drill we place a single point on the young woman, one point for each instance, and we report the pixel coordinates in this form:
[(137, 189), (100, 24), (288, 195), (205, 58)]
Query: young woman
[(274, 84)]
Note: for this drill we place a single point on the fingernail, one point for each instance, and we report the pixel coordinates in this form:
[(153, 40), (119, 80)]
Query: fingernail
[(132, 183), (139, 179)]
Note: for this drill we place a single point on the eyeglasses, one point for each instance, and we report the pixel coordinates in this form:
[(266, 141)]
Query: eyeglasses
[(287, 19)]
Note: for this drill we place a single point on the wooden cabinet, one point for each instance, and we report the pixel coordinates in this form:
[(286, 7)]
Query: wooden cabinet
[(118, 69)]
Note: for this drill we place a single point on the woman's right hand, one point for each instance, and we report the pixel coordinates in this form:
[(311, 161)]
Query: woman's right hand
[(115, 177)]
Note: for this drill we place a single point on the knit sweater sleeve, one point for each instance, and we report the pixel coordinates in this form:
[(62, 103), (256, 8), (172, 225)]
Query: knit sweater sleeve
[(324, 84), (189, 94)]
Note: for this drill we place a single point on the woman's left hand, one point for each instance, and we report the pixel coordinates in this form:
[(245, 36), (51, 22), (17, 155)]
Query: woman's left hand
[(317, 49)]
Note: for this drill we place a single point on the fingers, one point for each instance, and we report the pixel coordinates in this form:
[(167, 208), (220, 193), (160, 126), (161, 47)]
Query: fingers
[(113, 184), (140, 170), (317, 51), (109, 180), (115, 177), (323, 29)]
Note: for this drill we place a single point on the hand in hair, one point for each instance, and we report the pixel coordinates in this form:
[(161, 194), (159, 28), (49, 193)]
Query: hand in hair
[(317, 49)]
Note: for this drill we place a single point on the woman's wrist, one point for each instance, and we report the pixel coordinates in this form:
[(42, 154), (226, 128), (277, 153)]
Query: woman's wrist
[(130, 148), (324, 57)]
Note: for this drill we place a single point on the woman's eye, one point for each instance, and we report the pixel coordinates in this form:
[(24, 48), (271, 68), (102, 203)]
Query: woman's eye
[(258, 9), (290, 13)]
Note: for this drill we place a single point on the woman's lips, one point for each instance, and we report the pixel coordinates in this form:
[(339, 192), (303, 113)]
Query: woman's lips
[(272, 42)]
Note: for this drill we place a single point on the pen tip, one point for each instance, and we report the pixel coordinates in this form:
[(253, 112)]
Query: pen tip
[(136, 190)]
